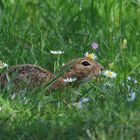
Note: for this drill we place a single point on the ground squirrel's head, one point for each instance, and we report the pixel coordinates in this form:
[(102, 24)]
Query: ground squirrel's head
[(82, 69)]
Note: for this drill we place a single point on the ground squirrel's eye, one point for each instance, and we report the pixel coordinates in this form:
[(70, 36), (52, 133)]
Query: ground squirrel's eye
[(85, 63)]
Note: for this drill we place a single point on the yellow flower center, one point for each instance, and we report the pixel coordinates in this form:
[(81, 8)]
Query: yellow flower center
[(90, 56), (110, 74)]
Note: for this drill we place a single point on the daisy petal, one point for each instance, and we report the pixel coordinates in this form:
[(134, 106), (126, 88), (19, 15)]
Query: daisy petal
[(56, 52), (3, 65), (69, 80), (132, 96)]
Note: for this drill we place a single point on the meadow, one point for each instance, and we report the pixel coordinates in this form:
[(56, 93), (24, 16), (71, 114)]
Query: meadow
[(104, 108)]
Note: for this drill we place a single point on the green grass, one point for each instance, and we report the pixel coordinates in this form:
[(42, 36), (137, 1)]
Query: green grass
[(29, 29)]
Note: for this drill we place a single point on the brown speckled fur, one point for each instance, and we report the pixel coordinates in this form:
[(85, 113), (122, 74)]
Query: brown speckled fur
[(33, 76)]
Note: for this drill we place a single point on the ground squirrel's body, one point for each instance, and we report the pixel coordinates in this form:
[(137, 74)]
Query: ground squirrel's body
[(32, 76)]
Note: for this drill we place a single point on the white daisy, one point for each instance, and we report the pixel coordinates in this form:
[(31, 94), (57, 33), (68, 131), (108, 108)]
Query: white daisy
[(132, 96), (84, 100), (110, 74), (69, 80), (13, 96), (3, 65), (56, 52), (91, 56), (135, 81), (132, 79), (129, 78), (79, 105)]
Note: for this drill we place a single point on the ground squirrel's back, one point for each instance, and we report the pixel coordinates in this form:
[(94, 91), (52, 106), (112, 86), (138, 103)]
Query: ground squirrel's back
[(25, 74)]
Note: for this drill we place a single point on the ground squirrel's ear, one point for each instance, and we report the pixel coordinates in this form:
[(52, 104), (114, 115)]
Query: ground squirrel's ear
[(85, 63)]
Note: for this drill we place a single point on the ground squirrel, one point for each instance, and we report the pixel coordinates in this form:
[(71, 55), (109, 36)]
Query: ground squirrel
[(32, 76)]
